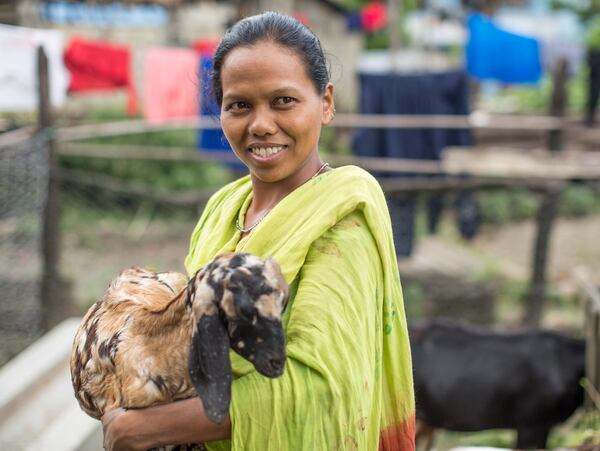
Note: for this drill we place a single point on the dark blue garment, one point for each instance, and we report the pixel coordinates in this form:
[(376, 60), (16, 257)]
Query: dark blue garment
[(353, 22), (427, 93), (444, 93), (212, 139), (495, 54)]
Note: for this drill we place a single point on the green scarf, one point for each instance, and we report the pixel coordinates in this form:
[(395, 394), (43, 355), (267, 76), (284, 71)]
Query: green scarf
[(348, 377)]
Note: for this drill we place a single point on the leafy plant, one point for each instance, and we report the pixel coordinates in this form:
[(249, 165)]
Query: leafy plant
[(579, 201)]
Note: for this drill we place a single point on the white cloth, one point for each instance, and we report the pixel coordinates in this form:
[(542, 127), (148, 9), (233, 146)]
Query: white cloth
[(18, 67)]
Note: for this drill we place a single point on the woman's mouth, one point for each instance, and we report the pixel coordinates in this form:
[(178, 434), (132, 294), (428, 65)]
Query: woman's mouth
[(266, 153)]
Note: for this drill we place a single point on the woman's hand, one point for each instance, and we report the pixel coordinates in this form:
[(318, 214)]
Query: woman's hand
[(168, 424), (117, 431)]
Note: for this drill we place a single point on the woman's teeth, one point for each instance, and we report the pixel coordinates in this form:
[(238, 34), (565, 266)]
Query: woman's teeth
[(266, 151)]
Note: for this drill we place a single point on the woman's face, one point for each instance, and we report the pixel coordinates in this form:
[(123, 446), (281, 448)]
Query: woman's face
[(272, 112)]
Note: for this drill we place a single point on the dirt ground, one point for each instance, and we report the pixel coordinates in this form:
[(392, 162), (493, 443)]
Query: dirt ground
[(92, 258)]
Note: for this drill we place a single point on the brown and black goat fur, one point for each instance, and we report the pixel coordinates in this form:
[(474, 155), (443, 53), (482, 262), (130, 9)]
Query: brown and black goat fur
[(154, 338)]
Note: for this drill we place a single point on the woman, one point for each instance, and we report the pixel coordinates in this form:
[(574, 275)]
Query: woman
[(348, 381)]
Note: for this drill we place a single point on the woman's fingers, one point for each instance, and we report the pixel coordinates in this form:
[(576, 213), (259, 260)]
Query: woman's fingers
[(110, 429)]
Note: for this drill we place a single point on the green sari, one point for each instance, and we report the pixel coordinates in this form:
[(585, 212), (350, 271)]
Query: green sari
[(348, 377)]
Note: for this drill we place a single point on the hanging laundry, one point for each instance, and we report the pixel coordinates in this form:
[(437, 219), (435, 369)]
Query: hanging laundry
[(495, 54), (18, 67), (212, 140), (171, 82), (104, 15), (302, 18), (206, 47), (209, 139), (443, 93), (100, 66), (374, 16)]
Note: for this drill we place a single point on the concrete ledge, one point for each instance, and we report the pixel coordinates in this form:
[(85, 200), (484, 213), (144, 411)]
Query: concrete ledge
[(72, 431), (38, 410), (26, 372)]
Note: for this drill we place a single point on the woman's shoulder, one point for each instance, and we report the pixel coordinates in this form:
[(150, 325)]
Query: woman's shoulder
[(357, 174), (239, 187), (354, 184)]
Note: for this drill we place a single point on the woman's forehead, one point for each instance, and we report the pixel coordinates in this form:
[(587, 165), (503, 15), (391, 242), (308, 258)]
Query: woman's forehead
[(263, 65)]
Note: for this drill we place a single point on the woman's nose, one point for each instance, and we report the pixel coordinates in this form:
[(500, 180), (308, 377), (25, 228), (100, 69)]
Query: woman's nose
[(262, 123)]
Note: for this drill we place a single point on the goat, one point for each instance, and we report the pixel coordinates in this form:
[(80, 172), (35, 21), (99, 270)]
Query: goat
[(155, 338), (469, 378)]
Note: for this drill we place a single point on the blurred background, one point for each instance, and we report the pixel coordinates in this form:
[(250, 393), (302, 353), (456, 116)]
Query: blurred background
[(478, 117)]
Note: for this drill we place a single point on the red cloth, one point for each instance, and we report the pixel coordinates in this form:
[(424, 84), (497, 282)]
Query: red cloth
[(206, 47), (302, 18), (374, 16), (100, 66)]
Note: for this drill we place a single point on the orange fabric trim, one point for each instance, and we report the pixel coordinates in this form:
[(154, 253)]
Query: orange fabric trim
[(398, 437)]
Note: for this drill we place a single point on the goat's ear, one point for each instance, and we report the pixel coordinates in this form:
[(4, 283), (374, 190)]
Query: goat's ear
[(209, 366)]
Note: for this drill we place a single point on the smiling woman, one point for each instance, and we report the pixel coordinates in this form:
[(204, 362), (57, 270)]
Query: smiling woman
[(272, 83), (347, 382)]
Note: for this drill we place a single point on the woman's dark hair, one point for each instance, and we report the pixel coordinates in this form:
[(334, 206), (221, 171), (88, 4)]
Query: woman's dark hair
[(280, 29)]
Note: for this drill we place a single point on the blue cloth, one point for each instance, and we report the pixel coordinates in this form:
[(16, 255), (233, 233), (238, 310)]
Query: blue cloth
[(495, 54), (444, 93), (212, 139), (104, 15)]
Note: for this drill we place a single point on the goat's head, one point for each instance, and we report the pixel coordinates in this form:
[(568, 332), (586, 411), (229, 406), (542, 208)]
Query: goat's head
[(237, 302)]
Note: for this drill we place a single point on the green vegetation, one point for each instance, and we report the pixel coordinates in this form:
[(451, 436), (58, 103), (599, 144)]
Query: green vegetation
[(166, 175), (502, 207), (592, 38), (535, 99), (585, 9), (582, 427)]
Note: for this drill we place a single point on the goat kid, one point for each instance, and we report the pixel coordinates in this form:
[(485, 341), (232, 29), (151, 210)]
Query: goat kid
[(155, 338)]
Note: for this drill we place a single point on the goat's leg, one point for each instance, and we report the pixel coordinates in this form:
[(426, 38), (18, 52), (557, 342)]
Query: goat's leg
[(424, 435), (532, 437)]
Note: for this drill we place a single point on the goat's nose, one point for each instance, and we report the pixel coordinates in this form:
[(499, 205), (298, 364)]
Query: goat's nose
[(277, 363)]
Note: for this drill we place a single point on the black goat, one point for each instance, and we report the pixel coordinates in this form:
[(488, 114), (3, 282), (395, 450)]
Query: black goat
[(468, 378)]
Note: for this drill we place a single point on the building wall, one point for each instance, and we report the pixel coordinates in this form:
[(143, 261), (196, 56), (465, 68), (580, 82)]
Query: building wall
[(341, 48)]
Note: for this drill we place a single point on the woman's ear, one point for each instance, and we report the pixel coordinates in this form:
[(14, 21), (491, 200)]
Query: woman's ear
[(328, 105)]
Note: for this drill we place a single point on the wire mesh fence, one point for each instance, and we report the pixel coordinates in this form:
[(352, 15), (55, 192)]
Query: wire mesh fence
[(23, 187)]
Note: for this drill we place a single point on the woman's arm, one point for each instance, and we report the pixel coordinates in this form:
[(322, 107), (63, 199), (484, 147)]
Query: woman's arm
[(170, 424)]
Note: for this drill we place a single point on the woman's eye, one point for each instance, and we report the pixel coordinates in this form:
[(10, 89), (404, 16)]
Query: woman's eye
[(237, 106), (284, 100)]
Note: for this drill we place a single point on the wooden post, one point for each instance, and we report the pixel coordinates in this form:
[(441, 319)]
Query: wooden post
[(548, 206), (50, 292), (537, 286), (395, 40), (592, 350), (558, 103), (591, 308)]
